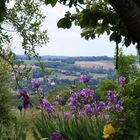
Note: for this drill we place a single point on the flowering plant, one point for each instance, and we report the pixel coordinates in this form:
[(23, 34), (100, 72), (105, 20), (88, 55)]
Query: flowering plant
[(99, 118)]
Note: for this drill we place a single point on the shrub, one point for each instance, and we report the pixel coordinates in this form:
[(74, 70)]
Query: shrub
[(4, 92)]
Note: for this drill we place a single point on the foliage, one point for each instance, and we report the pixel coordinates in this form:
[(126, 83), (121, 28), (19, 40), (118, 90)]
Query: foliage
[(4, 92), (68, 111), (24, 18), (115, 125), (96, 18), (2, 10), (16, 131), (20, 128), (104, 85), (70, 128), (127, 66), (118, 122), (114, 116)]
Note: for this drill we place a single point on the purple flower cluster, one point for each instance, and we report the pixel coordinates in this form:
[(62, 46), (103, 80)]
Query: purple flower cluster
[(82, 103), (35, 84), (74, 101), (84, 79), (87, 95), (94, 109), (56, 136), (26, 99), (79, 99), (85, 103), (113, 102), (99, 106), (88, 109), (44, 103), (122, 81)]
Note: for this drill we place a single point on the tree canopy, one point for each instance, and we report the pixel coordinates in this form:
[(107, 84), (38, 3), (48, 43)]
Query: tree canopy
[(25, 19), (120, 19)]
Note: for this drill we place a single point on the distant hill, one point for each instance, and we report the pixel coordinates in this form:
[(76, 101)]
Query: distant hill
[(64, 70), (47, 57), (77, 58), (68, 59)]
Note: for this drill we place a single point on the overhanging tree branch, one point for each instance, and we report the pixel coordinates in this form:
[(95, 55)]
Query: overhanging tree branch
[(129, 12)]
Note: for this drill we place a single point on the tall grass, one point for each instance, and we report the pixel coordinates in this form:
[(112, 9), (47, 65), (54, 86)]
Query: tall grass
[(82, 128)]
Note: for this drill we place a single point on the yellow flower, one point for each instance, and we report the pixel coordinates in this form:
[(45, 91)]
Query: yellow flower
[(108, 130)]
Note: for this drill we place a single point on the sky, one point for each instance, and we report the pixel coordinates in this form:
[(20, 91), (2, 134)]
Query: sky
[(68, 42)]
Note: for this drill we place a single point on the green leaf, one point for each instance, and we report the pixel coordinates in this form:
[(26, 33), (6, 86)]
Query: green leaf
[(47, 2), (99, 30), (64, 23), (127, 42), (85, 18), (2, 10), (113, 37), (71, 3), (52, 2), (81, 1)]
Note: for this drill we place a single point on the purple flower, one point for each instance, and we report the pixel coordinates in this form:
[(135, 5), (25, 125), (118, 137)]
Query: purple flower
[(113, 102), (119, 106), (74, 101), (50, 109), (26, 102), (22, 92), (56, 136), (111, 96), (79, 99), (26, 99), (44, 103), (88, 110), (87, 94), (35, 84), (122, 81), (108, 105), (99, 106), (66, 115), (84, 79)]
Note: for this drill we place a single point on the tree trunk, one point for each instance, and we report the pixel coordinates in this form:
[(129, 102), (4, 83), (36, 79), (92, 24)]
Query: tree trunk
[(129, 12)]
